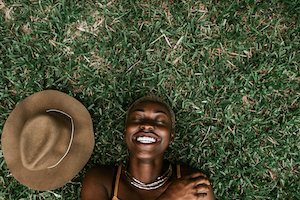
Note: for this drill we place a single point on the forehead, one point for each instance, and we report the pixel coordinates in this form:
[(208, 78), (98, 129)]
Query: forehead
[(150, 106)]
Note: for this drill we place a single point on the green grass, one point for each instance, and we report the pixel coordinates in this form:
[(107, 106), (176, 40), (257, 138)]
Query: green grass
[(229, 68)]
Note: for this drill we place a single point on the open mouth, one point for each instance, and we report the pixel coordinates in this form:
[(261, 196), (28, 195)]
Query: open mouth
[(146, 138)]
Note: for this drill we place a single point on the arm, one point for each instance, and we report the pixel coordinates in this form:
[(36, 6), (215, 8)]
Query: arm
[(94, 185)]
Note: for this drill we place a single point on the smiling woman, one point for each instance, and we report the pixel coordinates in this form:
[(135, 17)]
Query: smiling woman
[(149, 129)]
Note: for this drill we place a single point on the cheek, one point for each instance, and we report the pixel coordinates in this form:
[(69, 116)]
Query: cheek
[(131, 128), (166, 131), (166, 134)]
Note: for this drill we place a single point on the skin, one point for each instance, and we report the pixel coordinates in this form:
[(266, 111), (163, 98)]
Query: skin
[(146, 163)]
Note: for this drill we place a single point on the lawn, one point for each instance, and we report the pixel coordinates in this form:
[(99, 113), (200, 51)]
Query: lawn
[(230, 70)]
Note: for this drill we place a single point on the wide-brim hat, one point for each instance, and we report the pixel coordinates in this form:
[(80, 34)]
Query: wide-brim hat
[(47, 139)]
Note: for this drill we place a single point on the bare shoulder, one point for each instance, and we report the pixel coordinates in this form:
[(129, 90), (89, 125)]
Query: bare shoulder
[(97, 183), (187, 170)]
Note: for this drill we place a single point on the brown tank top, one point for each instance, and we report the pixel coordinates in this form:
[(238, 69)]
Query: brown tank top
[(115, 197)]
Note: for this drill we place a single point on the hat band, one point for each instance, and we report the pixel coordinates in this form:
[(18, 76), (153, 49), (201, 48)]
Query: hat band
[(72, 136)]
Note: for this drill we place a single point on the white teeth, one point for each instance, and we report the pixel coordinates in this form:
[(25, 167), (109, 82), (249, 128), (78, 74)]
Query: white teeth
[(146, 140)]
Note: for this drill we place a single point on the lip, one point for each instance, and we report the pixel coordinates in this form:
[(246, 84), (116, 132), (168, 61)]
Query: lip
[(146, 134)]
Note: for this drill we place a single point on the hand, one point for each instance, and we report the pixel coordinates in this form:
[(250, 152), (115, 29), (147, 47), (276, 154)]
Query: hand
[(192, 187)]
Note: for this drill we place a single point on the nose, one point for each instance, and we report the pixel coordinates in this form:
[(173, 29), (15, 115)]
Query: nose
[(146, 125)]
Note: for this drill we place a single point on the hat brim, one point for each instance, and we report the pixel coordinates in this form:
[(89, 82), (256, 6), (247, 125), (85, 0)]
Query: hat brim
[(80, 151)]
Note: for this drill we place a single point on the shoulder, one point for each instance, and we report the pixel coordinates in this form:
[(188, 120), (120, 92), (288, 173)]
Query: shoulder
[(103, 171), (98, 182), (187, 170)]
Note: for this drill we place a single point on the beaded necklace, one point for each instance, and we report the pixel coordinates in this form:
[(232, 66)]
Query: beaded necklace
[(160, 181)]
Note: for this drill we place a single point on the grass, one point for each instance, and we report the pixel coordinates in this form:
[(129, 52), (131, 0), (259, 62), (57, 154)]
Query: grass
[(229, 68)]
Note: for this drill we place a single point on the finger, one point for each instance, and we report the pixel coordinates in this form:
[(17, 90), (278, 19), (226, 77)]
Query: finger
[(199, 195), (200, 180), (202, 188)]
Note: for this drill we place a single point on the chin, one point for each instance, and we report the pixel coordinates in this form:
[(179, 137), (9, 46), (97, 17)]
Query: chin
[(146, 156)]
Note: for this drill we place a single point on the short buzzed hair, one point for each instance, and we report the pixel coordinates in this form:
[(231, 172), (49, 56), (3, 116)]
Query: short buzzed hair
[(155, 99)]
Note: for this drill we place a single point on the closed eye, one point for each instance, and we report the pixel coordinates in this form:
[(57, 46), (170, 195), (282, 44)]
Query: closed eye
[(162, 122), (137, 119)]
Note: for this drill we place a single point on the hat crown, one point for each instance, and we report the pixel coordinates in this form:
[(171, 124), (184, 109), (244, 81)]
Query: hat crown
[(47, 139), (44, 139)]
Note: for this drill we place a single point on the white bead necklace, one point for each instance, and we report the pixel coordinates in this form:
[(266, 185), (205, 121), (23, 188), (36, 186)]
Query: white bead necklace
[(160, 181)]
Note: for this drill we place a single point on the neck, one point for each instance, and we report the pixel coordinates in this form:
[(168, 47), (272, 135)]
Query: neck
[(145, 171)]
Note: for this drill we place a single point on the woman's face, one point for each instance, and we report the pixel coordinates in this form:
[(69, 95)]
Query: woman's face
[(148, 130)]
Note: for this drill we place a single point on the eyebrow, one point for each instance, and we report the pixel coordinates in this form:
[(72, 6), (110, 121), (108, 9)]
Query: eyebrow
[(138, 110), (157, 111)]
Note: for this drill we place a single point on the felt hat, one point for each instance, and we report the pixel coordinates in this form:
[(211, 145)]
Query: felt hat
[(47, 139)]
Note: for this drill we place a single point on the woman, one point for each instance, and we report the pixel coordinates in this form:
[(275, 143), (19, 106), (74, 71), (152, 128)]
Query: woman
[(149, 129)]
